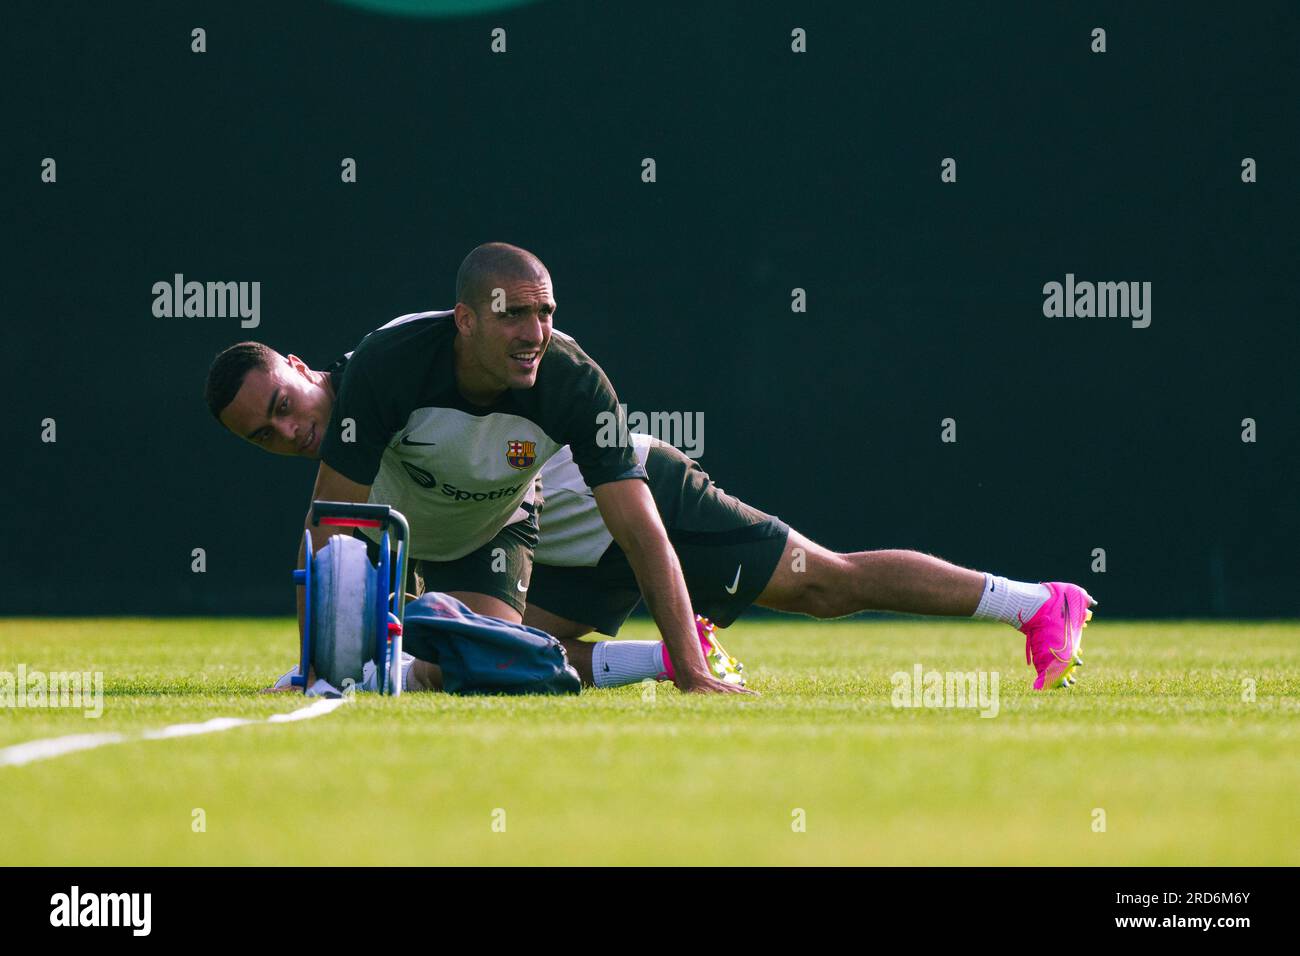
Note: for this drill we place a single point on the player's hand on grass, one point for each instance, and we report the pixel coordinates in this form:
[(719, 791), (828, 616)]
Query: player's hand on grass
[(706, 684)]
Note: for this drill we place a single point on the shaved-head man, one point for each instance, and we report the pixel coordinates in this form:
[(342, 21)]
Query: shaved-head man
[(450, 419)]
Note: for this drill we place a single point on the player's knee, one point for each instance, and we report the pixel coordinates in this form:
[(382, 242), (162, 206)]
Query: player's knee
[(826, 592), (831, 601)]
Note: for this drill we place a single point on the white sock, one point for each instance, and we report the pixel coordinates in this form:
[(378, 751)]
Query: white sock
[(407, 661), (615, 663), (370, 676), (1012, 602)]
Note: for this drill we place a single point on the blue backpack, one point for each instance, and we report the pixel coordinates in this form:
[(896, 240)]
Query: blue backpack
[(485, 655)]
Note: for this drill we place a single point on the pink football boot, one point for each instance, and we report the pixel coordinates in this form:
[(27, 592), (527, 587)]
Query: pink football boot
[(1054, 635), (722, 665)]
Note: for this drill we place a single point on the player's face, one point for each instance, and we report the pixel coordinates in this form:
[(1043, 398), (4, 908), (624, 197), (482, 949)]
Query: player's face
[(508, 345), (281, 409)]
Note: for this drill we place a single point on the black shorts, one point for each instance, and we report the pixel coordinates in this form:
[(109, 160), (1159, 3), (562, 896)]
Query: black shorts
[(502, 568), (727, 550)]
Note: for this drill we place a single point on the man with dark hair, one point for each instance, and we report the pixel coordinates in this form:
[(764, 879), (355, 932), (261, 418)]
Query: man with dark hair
[(289, 407), (450, 420), (732, 555), (226, 374)]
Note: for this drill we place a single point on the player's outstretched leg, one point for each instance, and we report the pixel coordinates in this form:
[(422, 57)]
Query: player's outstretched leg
[(810, 579)]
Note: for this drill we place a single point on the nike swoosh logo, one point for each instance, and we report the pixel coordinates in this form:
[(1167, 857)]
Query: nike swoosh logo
[(736, 583), (1065, 613), (502, 667), (520, 586), (407, 441)]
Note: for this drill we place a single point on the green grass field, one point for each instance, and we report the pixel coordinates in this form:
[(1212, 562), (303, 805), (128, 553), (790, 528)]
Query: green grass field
[(1157, 735)]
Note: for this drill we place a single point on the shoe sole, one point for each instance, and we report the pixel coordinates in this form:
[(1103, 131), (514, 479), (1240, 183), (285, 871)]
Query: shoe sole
[(729, 670)]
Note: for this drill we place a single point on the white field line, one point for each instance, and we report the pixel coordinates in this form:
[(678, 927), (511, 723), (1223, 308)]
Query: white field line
[(50, 747)]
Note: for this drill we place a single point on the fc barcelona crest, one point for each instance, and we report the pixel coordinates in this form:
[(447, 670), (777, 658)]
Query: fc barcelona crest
[(521, 454)]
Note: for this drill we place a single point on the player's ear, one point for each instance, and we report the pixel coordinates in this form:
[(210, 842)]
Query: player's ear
[(464, 317), (298, 365)]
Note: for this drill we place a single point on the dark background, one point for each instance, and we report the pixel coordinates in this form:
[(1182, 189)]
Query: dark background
[(775, 170)]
